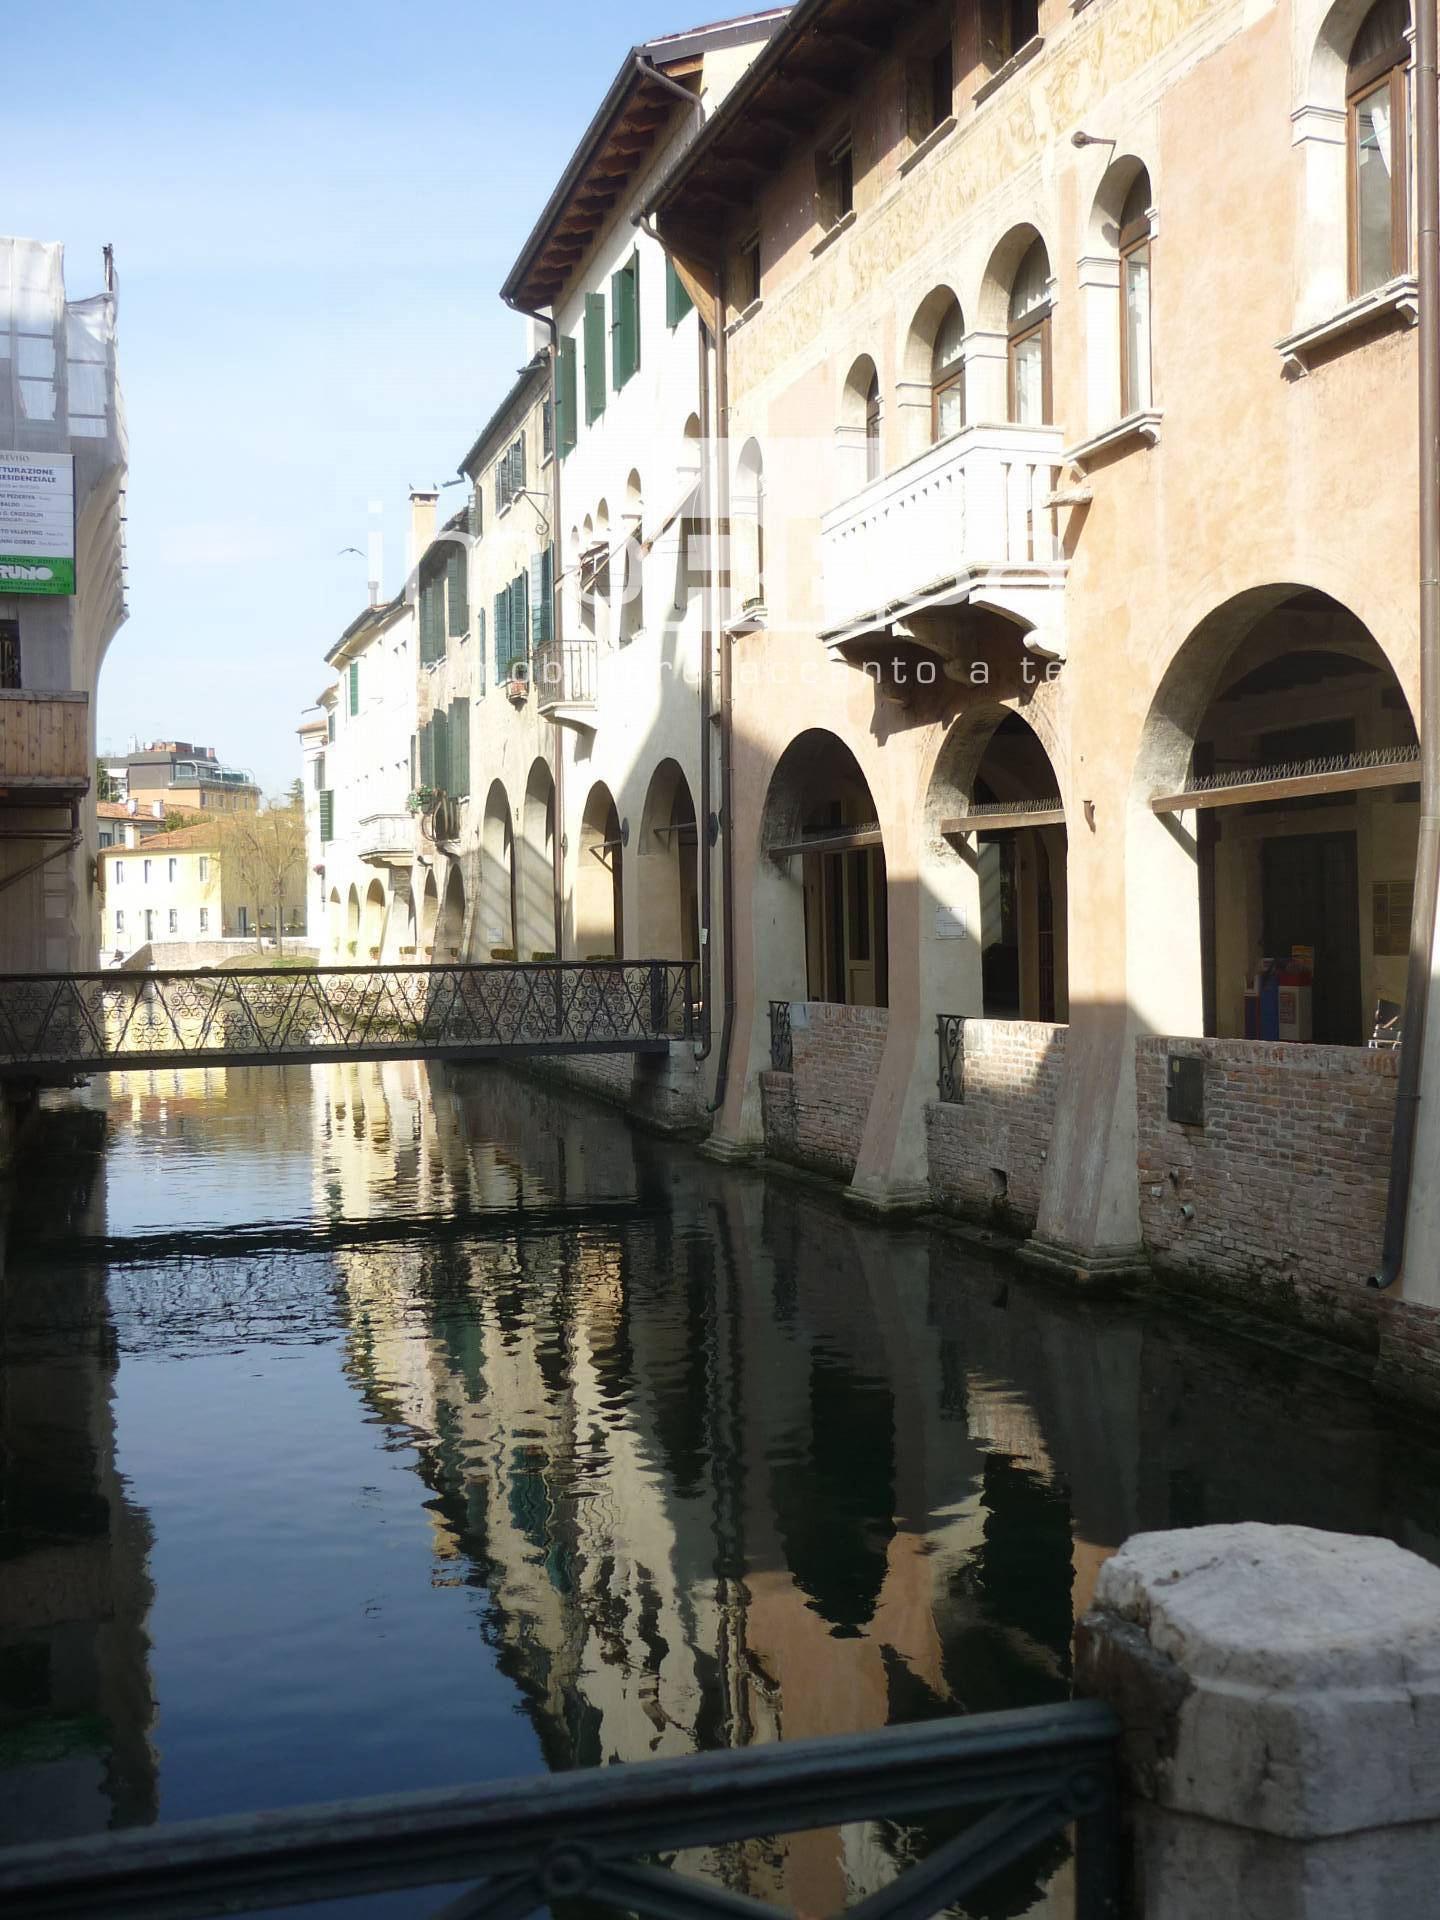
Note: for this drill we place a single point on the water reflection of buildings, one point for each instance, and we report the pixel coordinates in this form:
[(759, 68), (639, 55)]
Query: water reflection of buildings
[(718, 1477), (75, 1697)]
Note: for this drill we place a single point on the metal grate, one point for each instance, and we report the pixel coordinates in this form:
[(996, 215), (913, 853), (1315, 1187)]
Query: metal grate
[(979, 1792), (782, 1045), (950, 1032), (91, 1022)]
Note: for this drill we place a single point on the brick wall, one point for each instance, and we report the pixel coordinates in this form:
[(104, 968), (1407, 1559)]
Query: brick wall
[(987, 1153), (666, 1091), (1286, 1180), (835, 1063)]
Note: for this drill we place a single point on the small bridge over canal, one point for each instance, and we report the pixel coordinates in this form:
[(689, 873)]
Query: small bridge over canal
[(56, 1026)]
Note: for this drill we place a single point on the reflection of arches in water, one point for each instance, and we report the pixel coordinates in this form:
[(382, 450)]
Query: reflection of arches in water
[(829, 905), (1277, 678), (667, 886), (599, 879)]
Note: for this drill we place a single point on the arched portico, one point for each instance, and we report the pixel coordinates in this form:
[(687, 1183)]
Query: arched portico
[(450, 928), (372, 931), (535, 885), (599, 879), (497, 937), (429, 915), (667, 888)]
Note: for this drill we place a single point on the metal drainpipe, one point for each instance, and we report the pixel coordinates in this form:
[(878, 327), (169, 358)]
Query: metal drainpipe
[(557, 850), (727, 864), (1427, 857)]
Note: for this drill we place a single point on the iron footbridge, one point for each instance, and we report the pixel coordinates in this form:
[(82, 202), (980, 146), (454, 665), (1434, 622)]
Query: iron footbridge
[(60, 1025)]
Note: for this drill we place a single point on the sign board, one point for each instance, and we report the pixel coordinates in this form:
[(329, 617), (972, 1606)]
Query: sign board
[(37, 523), (950, 923)]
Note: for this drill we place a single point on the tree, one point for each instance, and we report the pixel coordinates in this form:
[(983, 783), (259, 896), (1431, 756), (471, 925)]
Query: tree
[(297, 794), (104, 785), (265, 854)]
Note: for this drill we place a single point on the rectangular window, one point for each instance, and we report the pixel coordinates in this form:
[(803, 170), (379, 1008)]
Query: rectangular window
[(594, 356), (566, 405), (117, 868), (542, 596), (204, 870), (942, 84), (835, 184), (625, 321), (1135, 386), (173, 871), (457, 592), (354, 687), (547, 428), (677, 297), (119, 920), (502, 635), (318, 773), (1030, 374), (747, 281), (330, 726), (242, 919), (519, 595), (204, 919), (174, 919), (327, 816), (145, 872), (1379, 217), (10, 656)]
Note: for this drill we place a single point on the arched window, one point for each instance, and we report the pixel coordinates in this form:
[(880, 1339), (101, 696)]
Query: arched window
[(747, 516), (1135, 380), (1029, 354), (1377, 112), (947, 375), (872, 428)]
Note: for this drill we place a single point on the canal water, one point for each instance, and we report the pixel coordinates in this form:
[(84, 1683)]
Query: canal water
[(383, 1427)]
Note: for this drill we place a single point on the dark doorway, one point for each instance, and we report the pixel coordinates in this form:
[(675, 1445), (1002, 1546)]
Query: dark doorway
[(1312, 900)]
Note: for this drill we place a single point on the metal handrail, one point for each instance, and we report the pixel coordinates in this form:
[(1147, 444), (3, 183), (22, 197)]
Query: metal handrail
[(950, 1034), (96, 1022), (782, 1040), (594, 1833)]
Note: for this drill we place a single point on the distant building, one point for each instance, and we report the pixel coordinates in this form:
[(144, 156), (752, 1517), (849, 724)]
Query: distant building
[(188, 779), (125, 824), (62, 596), (177, 886)]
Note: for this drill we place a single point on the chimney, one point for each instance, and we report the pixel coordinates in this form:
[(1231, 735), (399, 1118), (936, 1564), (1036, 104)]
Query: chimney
[(423, 503), (376, 566)]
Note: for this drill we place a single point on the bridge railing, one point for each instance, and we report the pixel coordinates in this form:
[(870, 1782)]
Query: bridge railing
[(954, 1803), (93, 1022)]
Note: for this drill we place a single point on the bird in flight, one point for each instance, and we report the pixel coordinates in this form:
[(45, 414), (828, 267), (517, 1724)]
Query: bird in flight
[(355, 550)]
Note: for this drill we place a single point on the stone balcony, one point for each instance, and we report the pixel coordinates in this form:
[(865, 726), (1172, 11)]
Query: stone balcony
[(566, 675), (44, 744), (386, 839), (966, 524)]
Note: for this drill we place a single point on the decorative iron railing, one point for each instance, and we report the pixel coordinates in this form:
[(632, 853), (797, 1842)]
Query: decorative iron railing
[(969, 1797), (93, 1022), (950, 1031), (565, 673), (782, 1046)]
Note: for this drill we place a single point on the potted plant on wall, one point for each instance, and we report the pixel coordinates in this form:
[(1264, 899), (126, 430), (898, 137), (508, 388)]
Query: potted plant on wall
[(518, 687)]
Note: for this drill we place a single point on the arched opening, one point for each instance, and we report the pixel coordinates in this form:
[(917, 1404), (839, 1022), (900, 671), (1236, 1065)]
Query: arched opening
[(667, 889), (857, 433), (1377, 116), (535, 888), (932, 393), (599, 878), (1280, 766), (401, 938), (450, 928), (632, 572), (373, 928), (823, 878), (498, 936), (1028, 336), (352, 924), (747, 527), (429, 916), (1115, 280), (334, 924)]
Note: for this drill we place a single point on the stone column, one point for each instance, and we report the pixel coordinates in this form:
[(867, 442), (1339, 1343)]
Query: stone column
[(1280, 1690)]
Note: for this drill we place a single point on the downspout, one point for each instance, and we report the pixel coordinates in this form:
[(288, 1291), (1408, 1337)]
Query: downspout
[(1427, 856), (727, 727), (557, 848)]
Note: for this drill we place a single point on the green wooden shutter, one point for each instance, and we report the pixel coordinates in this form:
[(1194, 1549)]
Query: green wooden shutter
[(482, 663), (459, 730), (427, 756), (456, 570), (520, 617), (441, 725), (677, 298), (542, 597), (567, 421), (354, 686), (502, 634), (327, 815), (594, 356), (330, 725), (625, 321)]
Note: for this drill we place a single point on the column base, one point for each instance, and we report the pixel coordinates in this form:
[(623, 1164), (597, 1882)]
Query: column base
[(1090, 1266), (884, 1201), (731, 1153)]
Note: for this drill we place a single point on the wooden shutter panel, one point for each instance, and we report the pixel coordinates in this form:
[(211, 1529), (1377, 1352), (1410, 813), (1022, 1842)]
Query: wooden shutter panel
[(427, 756), (520, 617), (633, 312), (520, 464), (677, 295), (354, 686), (566, 406), (459, 731), (625, 322), (440, 724), (542, 614), (594, 356), (481, 662), (502, 633), (327, 815), (456, 569)]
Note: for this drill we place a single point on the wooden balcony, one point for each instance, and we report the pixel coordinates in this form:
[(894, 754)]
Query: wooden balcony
[(44, 744)]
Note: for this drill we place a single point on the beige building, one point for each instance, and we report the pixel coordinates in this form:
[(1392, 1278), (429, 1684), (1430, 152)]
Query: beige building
[(178, 888)]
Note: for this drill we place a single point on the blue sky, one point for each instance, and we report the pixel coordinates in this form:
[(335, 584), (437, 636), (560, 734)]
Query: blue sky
[(312, 208)]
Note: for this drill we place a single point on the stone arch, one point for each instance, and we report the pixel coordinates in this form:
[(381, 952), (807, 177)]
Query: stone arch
[(934, 341), (1115, 290), (631, 582), (535, 889), (599, 879), (747, 526), (1277, 676), (450, 926), (667, 885), (372, 932), (429, 915), (352, 923), (498, 934), (334, 924), (859, 427), (821, 905), (401, 939)]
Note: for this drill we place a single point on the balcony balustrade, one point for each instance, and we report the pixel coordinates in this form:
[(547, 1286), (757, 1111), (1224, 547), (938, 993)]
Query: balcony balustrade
[(44, 743), (965, 523), (385, 838), (566, 676)]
